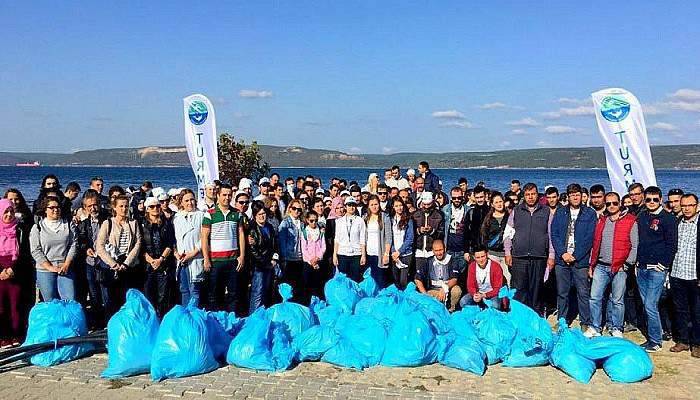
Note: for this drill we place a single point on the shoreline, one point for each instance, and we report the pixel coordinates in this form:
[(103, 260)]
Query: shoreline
[(326, 167)]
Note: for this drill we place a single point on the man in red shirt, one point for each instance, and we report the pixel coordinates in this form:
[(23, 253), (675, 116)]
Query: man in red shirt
[(484, 280)]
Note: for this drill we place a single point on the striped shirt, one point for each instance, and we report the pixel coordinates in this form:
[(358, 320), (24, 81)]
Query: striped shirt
[(684, 263), (223, 238)]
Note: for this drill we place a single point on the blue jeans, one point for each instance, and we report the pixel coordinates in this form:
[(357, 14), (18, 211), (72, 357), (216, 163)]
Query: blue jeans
[(261, 288), (602, 276), (188, 290), (380, 275), (573, 275), (468, 300), (650, 283), (54, 286)]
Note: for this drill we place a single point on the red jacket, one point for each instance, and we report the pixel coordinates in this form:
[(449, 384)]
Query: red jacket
[(496, 277), (621, 241)]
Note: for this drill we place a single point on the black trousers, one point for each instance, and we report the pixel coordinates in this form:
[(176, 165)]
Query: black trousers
[(158, 287), (350, 266), (527, 277), (686, 300)]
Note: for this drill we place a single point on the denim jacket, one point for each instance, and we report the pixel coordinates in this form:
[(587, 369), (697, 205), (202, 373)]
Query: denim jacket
[(289, 241)]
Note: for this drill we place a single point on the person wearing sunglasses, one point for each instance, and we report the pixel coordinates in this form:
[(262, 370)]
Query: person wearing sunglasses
[(158, 237), (187, 224), (313, 247), (54, 245), (613, 254), (263, 250), (658, 242), (241, 203), (291, 257), (349, 253), (636, 195)]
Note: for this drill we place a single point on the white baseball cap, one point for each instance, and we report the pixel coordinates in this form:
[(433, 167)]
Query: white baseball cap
[(151, 201), (263, 181), (426, 197), (245, 183), (411, 171)]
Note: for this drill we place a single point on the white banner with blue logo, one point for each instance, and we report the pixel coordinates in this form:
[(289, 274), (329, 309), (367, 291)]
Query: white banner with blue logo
[(621, 125), (201, 140)]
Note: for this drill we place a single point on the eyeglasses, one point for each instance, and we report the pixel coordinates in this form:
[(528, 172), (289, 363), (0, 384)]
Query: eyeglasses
[(382, 193), (295, 208), (597, 196), (635, 193), (312, 220), (53, 208), (688, 205), (652, 200), (243, 202), (612, 203), (152, 206)]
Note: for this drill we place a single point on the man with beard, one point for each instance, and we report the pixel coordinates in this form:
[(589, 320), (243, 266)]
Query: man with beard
[(597, 199)]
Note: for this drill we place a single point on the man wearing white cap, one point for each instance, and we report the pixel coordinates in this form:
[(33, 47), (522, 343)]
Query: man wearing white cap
[(209, 202), (246, 185), (263, 189), (429, 223)]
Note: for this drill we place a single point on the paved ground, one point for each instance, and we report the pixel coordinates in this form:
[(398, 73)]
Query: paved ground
[(677, 376)]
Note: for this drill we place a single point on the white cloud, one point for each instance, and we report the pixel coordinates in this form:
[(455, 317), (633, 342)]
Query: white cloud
[(519, 131), (387, 150), (449, 114), (569, 100), (559, 129), (505, 143), (653, 109), (354, 150), (491, 106), (527, 121), (457, 124), (664, 126), (255, 94), (684, 106), (569, 112), (686, 95), (543, 143)]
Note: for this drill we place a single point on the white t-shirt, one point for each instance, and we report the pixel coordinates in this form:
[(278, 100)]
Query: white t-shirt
[(349, 234), (483, 278), (570, 242), (372, 238)]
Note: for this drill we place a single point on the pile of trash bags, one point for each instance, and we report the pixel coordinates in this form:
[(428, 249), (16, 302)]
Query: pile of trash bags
[(358, 326)]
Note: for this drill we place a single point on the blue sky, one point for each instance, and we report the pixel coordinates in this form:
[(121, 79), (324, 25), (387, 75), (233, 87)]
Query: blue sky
[(357, 76)]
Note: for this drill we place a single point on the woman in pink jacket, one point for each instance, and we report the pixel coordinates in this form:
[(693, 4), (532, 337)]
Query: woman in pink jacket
[(313, 245)]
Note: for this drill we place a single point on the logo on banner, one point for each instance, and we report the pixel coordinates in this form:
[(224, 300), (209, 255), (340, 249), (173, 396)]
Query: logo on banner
[(614, 109), (198, 112)]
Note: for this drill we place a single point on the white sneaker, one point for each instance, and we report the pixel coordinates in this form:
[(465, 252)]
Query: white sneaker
[(591, 332), (616, 333)]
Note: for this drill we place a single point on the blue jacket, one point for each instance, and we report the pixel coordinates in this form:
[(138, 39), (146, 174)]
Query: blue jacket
[(406, 247), (432, 182), (583, 234), (289, 241), (658, 238)]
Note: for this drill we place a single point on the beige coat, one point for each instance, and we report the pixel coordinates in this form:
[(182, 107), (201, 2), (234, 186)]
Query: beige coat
[(104, 237)]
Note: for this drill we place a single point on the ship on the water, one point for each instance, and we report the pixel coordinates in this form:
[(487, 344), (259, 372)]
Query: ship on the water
[(28, 164)]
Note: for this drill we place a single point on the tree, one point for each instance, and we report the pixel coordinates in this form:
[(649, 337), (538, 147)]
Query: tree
[(238, 160)]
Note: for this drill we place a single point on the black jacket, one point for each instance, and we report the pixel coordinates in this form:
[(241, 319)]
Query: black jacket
[(475, 218), (85, 232), (264, 246), (167, 237)]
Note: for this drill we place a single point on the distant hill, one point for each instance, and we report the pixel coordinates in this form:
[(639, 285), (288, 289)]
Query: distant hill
[(666, 157)]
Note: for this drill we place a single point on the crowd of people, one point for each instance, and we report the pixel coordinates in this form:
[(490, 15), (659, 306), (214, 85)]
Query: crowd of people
[(615, 261)]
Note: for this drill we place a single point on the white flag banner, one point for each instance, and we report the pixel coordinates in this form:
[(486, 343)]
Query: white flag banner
[(621, 125), (200, 139)]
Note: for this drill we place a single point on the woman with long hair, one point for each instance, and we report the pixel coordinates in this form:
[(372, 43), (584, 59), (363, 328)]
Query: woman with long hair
[(313, 247), (492, 229), (262, 242), (272, 206), (188, 248), (290, 250), (118, 246), (378, 238), (402, 241), (54, 244)]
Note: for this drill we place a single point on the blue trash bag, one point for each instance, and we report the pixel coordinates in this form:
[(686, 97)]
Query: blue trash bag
[(222, 327), (566, 357), (131, 336), (383, 308), (368, 286), (183, 346), (435, 311), (262, 344), (461, 321), (361, 342), (466, 354), (630, 365), (53, 320), (295, 316), (534, 340), (342, 292), (495, 332), (314, 342), (411, 341)]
